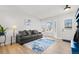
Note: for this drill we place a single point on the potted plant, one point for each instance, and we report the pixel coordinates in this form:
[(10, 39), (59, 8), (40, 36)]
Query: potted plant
[(2, 30)]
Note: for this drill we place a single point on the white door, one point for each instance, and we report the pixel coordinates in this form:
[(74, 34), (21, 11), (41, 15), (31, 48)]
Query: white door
[(67, 34)]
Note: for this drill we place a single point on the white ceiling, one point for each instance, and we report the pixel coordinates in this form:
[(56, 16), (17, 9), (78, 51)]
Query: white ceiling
[(39, 11)]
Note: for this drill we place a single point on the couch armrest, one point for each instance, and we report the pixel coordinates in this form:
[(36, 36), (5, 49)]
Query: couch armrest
[(18, 38)]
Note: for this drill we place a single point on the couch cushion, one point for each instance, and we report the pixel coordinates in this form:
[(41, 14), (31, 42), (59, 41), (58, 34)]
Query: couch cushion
[(26, 37)]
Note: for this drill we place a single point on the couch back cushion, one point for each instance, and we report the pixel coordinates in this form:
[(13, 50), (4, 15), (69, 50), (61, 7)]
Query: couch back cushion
[(34, 32), (28, 32), (23, 33)]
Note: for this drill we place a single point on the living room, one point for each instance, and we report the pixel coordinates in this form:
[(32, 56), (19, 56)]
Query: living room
[(47, 21)]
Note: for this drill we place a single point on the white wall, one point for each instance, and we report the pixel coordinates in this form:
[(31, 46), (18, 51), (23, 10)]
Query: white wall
[(9, 19), (61, 32)]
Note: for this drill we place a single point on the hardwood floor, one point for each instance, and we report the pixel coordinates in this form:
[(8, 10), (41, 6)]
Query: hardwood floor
[(14, 49), (60, 47)]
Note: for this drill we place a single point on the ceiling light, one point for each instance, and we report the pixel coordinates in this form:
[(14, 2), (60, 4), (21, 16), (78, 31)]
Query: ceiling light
[(67, 8)]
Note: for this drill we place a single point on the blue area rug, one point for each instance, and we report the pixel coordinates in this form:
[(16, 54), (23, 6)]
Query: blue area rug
[(40, 45)]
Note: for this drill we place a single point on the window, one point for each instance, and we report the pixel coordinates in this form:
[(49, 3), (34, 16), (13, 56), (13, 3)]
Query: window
[(68, 23)]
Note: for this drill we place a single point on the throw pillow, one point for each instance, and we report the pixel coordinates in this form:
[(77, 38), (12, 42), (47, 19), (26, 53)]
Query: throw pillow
[(35, 32)]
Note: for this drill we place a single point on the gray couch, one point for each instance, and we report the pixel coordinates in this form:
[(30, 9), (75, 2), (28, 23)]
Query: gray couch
[(27, 35)]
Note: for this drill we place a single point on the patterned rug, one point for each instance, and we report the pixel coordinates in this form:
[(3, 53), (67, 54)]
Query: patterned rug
[(40, 45)]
